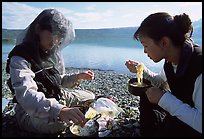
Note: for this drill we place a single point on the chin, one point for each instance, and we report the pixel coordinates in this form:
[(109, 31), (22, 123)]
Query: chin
[(156, 61)]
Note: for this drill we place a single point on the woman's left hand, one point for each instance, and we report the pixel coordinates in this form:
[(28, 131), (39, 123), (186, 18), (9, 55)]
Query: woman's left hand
[(87, 75), (154, 94)]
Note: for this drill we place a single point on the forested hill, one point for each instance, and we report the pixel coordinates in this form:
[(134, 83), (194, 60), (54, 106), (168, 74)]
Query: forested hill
[(11, 34), (81, 34)]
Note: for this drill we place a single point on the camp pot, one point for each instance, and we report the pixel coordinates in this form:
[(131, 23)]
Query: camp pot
[(138, 90)]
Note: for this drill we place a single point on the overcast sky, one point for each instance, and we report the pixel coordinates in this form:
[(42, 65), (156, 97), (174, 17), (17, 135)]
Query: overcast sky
[(94, 15)]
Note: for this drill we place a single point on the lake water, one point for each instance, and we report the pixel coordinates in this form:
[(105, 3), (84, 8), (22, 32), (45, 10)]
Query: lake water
[(99, 57)]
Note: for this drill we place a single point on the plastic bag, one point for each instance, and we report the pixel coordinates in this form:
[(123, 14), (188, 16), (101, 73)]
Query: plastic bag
[(108, 110), (107, 107)]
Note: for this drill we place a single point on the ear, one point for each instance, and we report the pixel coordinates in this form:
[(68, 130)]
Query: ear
[(164, 42)]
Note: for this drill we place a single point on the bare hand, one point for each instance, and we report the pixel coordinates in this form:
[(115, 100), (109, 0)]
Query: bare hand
[(154, 94), (88, 75), (72, 114), (131, 65)]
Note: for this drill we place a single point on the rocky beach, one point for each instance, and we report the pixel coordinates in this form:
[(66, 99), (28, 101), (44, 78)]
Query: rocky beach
[(106, 84)]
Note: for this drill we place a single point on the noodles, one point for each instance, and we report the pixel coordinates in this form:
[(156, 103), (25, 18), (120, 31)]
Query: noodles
[(80, 131), (75, 129), (90, 127), (140, 70)]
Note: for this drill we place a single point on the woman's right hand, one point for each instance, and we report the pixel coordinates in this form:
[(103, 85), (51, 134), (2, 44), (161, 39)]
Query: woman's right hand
[(131, 65), (72, 114)]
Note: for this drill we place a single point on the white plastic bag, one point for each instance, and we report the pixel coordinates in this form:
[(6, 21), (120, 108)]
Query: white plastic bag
[(108, 110), (107, 107)]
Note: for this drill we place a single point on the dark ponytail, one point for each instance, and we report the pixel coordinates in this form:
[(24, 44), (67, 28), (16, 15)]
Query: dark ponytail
[(184, 25)]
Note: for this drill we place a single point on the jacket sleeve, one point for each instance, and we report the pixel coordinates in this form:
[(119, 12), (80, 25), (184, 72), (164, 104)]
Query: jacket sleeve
[(156, 79), (33, 102), (69, 80), (189, 115)]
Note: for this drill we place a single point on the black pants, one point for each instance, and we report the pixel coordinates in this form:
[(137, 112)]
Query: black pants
[(156, 122)]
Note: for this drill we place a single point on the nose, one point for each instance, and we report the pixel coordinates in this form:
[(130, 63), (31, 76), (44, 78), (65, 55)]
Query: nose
[(55, 40)]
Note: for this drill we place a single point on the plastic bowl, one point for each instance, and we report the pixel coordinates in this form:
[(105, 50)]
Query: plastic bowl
[(137, 90)]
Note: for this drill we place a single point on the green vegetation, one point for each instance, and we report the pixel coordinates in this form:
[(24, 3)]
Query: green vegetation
[(9, 35)]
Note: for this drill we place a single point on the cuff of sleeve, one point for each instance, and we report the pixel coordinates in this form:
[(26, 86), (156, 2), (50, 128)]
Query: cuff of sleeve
[(77, 82), (70, 81), (148, 74), (164, 99), (168, 102), (55, 110)]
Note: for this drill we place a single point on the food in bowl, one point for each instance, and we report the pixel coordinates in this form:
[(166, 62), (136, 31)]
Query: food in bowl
[(80, 131), (89, 129), (135, 84), (136, 90)]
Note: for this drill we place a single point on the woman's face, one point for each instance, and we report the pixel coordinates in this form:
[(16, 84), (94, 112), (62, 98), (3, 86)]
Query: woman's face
[(48, 40), (153, 50)]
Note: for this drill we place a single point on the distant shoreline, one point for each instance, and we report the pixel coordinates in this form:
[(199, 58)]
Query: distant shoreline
[(8, 40)]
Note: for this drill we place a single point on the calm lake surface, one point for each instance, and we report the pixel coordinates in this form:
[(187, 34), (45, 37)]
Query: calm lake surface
[(99, 57)]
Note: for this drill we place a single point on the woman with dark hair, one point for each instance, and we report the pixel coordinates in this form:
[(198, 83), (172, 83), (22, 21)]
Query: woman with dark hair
[(43, 91), (173, 106)]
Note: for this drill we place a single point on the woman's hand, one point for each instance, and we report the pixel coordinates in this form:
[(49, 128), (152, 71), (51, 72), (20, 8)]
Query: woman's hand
[(131, 65), (88, 75), (154, 94), (72, 114)]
